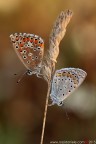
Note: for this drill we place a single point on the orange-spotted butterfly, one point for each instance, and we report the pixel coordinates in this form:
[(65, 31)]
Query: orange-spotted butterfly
[(65, 81), (30, 50)]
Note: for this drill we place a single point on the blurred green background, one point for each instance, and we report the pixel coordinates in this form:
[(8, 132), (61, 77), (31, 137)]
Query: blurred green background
[(22, 105)]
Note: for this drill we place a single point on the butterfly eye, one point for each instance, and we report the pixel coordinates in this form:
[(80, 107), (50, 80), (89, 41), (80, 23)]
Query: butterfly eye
[(60, 103), (29, 72)]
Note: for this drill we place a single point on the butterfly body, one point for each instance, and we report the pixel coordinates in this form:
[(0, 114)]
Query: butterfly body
[(30, 50), (65, 81)]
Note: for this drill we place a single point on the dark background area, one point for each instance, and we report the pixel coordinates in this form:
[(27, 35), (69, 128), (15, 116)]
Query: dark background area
[(22, 105)]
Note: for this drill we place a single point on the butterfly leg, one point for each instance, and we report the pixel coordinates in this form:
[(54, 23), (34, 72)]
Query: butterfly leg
[(39, 75), (51, 104)]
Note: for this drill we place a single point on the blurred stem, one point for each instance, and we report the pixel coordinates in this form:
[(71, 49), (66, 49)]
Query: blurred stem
[(45, 112)]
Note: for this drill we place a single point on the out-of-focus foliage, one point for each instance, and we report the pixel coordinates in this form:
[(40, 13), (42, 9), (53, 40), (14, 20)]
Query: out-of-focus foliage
[(22, 105)]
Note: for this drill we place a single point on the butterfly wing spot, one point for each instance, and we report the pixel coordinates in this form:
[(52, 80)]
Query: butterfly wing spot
[(20, 51), (24, 57), (16, 47), (21, 44), (38, 48), (24, 39), (35, 40), (24, 51), (30, 54), (33, 58), (28, 61), (31, 46), (34, 49), (17, 38), (40, 53), (36, 57)]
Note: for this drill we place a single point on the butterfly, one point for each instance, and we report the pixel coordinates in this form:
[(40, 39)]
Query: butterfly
[(65, 81), (30, 50)]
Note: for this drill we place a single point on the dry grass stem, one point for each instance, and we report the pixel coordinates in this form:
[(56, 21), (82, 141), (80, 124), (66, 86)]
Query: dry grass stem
[(45, 112), (49, 61)]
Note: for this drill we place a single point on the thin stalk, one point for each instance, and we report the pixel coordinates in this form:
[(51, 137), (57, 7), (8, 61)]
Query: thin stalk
[(45, 112)]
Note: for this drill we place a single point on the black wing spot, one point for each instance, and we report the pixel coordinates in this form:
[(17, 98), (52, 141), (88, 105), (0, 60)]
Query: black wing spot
[(24, 57), (36, 57), (17, 47)]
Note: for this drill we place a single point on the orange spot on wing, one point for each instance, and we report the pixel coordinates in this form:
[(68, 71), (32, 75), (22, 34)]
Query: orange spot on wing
[(41, 45), (20, 50), (31, 40), (28, 39), (21, 45), (17, 38), (24, 39)]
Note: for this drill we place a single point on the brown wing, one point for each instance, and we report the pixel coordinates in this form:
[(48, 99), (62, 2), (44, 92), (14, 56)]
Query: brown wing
[(29, 48)]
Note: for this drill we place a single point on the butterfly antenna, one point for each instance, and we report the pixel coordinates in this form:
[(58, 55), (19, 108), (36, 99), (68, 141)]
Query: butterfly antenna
[(15, 74), (66, 112), (21, 77)]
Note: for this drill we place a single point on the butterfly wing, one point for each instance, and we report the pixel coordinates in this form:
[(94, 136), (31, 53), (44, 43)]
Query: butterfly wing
[(29, 48), (65, 81)]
